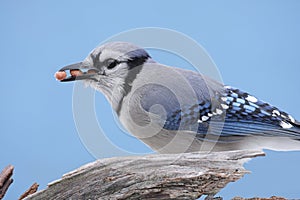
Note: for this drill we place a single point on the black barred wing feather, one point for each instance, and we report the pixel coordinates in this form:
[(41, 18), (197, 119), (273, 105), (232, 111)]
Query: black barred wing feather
[(242, 114)]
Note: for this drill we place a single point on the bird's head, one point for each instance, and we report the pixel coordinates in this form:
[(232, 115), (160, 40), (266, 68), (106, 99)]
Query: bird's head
[(109, 68)]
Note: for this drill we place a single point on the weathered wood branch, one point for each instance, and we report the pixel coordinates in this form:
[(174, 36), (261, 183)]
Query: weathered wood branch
[(33, 188), (5, 179), (159, 176)]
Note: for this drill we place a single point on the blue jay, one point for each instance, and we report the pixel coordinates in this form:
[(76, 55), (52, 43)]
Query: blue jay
[(174, 110)]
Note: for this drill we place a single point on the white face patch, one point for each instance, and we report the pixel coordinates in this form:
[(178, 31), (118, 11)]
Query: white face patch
[(251, 99), (199, 121), (285, 125), (109, 54)]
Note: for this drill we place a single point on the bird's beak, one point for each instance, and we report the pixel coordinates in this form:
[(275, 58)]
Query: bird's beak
[(76, 72), (72, 66)]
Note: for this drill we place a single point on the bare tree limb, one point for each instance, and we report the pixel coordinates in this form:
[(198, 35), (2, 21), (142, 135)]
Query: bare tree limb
[(33, 188), (5, 179), (159, 176)]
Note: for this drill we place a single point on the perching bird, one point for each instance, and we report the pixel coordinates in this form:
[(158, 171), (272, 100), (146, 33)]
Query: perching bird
[(174, 110)]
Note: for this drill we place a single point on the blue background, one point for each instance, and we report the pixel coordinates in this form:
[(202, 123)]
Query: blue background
[(255, 45)]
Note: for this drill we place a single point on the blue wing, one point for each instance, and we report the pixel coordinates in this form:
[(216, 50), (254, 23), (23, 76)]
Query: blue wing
[(234, 111), (242, 114)]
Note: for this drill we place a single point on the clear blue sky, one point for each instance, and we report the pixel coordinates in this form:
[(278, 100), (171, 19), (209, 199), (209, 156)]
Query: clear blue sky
[(255, 45)]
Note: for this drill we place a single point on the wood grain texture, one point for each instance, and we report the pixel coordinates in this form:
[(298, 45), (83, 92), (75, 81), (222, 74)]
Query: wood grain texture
[(158, 176), (5, 179)]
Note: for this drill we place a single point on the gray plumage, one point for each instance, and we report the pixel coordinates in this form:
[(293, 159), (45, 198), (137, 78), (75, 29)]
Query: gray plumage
[(174, 110)]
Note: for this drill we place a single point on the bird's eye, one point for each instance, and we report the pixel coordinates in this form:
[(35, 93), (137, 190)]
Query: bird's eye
[(112, 63)]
